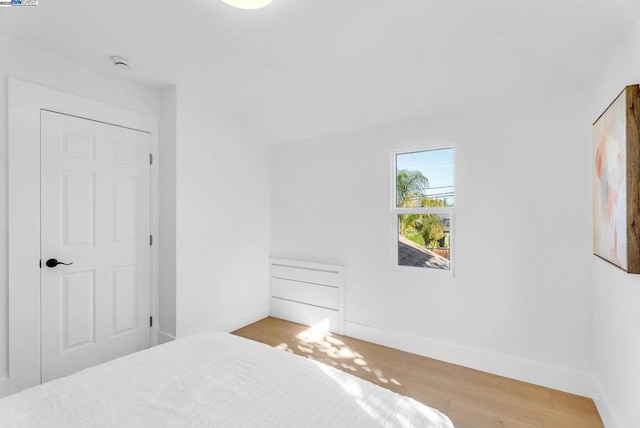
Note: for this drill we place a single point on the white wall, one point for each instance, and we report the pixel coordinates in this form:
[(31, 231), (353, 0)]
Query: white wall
[(217, 174), (39, 67), (617, 294), (222, 218), (520, 303), (167, 238)]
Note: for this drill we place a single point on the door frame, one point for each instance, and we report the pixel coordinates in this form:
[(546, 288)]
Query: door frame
[(26, 100)]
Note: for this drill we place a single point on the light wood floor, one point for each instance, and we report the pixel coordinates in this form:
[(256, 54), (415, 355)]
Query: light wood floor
[(472, 399)]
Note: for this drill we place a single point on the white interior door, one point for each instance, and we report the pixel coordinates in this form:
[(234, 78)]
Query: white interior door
[(96, 214)]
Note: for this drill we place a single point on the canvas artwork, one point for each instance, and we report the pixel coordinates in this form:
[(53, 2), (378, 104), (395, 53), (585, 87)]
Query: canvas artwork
[(615, 182)]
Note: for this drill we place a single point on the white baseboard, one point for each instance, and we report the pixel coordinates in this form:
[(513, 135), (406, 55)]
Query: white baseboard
[(606, 414), (165, 337), (4, 387), (235, 322), (503, 365)]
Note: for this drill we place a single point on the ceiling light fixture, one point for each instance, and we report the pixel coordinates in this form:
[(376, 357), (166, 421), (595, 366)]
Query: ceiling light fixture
[(248, 4)]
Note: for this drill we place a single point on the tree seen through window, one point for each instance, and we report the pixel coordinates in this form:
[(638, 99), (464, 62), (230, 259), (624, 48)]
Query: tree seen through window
[(424, 203)]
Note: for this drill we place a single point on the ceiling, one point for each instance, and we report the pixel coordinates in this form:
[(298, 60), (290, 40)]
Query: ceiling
[(304, 68)]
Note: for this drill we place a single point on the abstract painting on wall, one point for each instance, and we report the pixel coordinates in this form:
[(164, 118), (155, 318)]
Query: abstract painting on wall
[(616, 182)]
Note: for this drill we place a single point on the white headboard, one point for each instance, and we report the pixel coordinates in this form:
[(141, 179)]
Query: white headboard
[(307, 293)]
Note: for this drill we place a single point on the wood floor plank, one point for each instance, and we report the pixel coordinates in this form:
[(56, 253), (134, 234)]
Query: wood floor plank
[(471, 398), (466, 415), (574, 405), (559, 419)]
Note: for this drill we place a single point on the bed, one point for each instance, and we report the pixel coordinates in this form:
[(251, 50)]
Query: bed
[(214, 379)]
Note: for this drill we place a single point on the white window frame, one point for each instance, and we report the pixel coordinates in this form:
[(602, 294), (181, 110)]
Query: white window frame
[(395, 211)]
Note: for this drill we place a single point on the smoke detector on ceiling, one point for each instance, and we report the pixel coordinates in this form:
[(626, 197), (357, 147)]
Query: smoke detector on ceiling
[(121, 63)]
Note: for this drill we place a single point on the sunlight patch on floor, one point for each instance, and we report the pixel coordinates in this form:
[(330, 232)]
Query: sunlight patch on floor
[(317, 343)]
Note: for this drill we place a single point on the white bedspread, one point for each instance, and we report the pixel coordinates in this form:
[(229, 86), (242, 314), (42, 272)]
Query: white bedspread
[(214, 380)]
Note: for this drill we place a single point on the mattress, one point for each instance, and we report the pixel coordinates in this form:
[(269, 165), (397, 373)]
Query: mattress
[(214, 379)]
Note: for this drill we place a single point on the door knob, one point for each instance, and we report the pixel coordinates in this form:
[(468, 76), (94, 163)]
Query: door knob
[(53, 263)]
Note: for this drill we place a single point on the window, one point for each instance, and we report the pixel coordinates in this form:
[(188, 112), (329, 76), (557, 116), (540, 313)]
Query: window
[(423, 208)]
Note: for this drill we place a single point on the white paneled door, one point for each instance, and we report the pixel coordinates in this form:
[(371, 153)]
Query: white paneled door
[(95, 218)]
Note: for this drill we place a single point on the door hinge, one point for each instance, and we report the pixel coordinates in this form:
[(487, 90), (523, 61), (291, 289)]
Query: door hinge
[(150, 158), (150, 239), (150, 321)]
